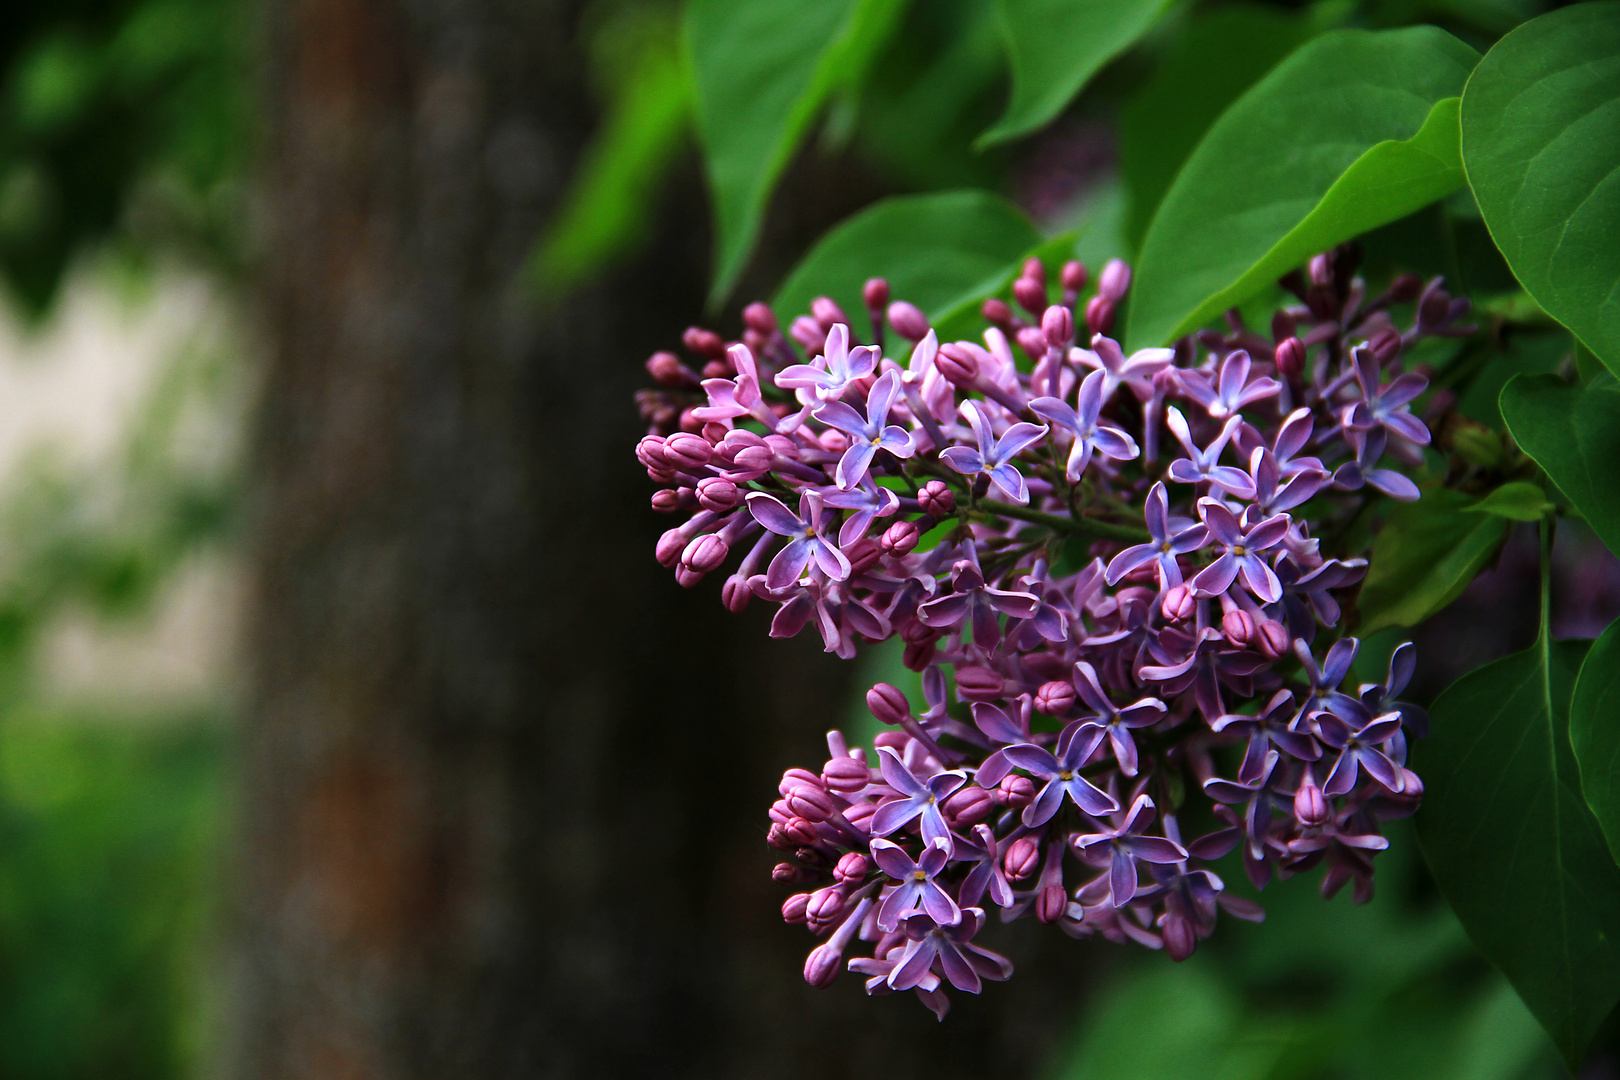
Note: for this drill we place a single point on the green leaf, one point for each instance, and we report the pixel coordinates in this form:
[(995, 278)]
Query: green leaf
[(1541, 142), (935, 250), (1425, 556), (1054, 47), (1512, 843), (1517, 500), (1214, 60), (610, 199), (1594, 731), (762, 70), (1573, 432), (1355, 129)]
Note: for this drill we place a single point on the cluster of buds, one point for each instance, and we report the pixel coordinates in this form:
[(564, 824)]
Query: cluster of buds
[(1107, 569)]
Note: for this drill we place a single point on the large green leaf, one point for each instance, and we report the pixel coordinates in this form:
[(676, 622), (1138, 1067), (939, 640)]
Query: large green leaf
[(1594, 731), (762, 70), (1425, 556), (936, 251), (1214, 60), (1054, 48), (1541, 142), (1355, 129), (1512, 843), (1573, 432)]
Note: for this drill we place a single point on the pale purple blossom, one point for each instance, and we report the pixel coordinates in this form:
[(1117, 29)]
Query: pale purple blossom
[(994, 456)]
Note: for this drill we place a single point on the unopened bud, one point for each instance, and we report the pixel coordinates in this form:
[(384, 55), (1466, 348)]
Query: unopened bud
[(919, 654), (997, 313), (793, 908), (969, 805), (1031, 295), (863, 554), (812, 804), (1058, 326), (785, 873), (822, 965), (735, 594), (1100, 314), (852, 868), (957, 364), (759, 318), (686, 577), (1435, 307), (826, 312), (810, 334), (1055, 698), (901, 538), (1179, 603), (1310, 805), (936, 499), (1050, 903), (1238, 626), (888, 703), (1180, 937), (650, 452), (669, 548), (1385, 345), (908, 320), (1320, 270), (800, 831), (705, 343), (1015, 792), (667, 370), (687, 451), (717, 494), (666, 501), (1032, 339), (704, 553), (1273, 639), (1023, 856), (1291, 358), (846, 775), (974, 683), (1115, 280), (1074, 276), (825, 904), (1034, 268), (875, 293), (1405, 287)]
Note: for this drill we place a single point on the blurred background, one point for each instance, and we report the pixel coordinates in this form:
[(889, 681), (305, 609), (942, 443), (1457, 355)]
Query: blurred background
[(347, 726)]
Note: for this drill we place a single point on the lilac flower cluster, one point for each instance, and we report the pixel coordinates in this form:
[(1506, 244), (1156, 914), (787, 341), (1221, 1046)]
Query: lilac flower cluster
[(1109, 571)]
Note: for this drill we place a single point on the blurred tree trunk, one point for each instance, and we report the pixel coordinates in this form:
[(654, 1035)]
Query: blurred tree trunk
[(505, 784)]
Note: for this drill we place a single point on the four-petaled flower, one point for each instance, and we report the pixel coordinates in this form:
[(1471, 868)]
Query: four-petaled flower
[(1117, 722), (1081, 422), (1126, 844), (915, 888), (1233, 390), (837, 367), (1358, 736), (868, 434), (1164, 548), (1241, 554), (994, 456), (1061, 771), (950, 947), (915, 799), (972, 600), (1203, 466), (1385, 406), (1137, 371), (808, 540)]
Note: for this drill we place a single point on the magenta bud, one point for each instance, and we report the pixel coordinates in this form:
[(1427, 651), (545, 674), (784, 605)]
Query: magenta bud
[(810, 335), (670, 546), (800, 831), (705, 553), (863, 554), (1385, 345), (1032, 339), (901, 538), (759, 318), (1034, 268), (825, 904), (827, 313), (785, 873), (1238, 626), (1115, 280), (1099, 314), (1179, 603), (1015, 792), (888, 703), (834, 441), (969, 805), (997, 313), (735, 594), (1023, 856), (795, 778), (812, 804), (1050, 903), (1074, 275), (1320, 270), (1273, 639), (705, 343), (908, 320), (1055, 698), (974, 683), (957, 364), (821, 966), (666, 501), (793, 908), (1310, 805), (777, 837), (686, 577), (755, 459), (1291, 358), (687, 451), (846, 775), (650, 452), (875, 292), (714, 369), (936, 499), (717, 494), (1180, 938), (852, 868), (667, 370), (1058, 326), (919, 654), (1031, 295)]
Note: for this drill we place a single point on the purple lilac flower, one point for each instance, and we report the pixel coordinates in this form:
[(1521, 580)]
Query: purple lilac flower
[(1125, 845), (1358, 737), (1136, 372), (1165, 548), (868, 502), (1115, 721), (1081, 423), (977, 604), (994, 456), (1233, 392), (915, 888), (1272, 724), (1203, 466), (1241, 554), (951, 950), (1062, 774), (868, 434), (838, 366), (808, 541), (1387, 405), (914, 799)]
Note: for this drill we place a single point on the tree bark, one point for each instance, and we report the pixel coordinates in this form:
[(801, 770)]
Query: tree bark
[(504, 782)]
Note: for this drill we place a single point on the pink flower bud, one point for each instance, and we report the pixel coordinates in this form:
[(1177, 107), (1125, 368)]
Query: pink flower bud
[(974, 683), (1179, 603), (1022, 858), (1015, 792), (908, 321), (1031, 295), (825, 905), (1032, 339), (650, 452), (800, 831), (795, 778), (1074, 275), (666, 501), (705, 343), (969, 805), (1100, 314), (735, 594), (1034, 268), (777, 837), (936, 499), (822, 965), (717, 494), (1320, 269), (1405, 287), (1180, 937), (1310, 805), (1058, 326), (875, 292), (759, 318), (827, 313), (919, 654), (810, 335), (957, 364), (687, 451), (852, 868), (1238, 626), (901, 538), (670, 546), (686, 577), (1055, 698), (863, 554), (793, 908), (1050, 903), (1115, 280), (714, 369), (997, 313), (704, 554), (784, 873), (859, 814), (1291, 358), (754, 460), (846, 775), (888, 703), (667, 370), (1385, 345), (1273, 639)]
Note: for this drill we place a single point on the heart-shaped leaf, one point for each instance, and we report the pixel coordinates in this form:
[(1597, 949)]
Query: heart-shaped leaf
[(1352, 131), (1541, 143), (1512, 843), (1573, 432), (1425, 556), (1054, 47), (1594, 731)]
